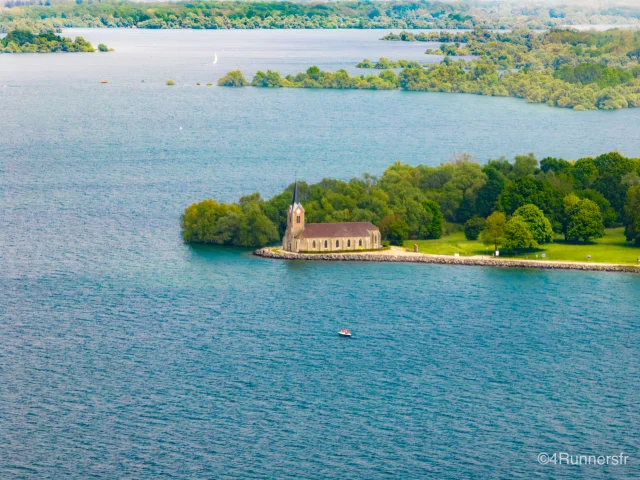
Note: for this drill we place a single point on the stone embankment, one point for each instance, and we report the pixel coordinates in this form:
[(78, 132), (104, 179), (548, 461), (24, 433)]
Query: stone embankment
[(444, 260)]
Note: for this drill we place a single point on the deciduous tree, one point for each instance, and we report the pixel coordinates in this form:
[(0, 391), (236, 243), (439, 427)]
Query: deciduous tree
[(585, 221), (493, 233), (517, 235), (539, 225)]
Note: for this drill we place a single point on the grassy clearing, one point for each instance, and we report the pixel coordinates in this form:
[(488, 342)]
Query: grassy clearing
[(612, 248)]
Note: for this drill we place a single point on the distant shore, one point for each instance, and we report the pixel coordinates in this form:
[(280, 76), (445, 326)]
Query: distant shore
[(400, 255)]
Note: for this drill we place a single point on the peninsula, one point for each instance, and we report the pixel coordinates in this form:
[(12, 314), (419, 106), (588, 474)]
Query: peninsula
[(561, 68), (587, 210)]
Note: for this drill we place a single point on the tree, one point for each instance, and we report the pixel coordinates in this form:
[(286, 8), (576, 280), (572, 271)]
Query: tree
[(487, 196), (517, 235), (539, 225), (632, 215), (609, 215), (612, 167), (270, 79), (234, 78), (524, 165), (411, 78), (585, 221), (493, 233), (585, 172), (523, 191), (434, 226), (569, 202), (228, 224), (467, 177), (395, 229), (389, 76), (256, 229), (550, 164), (313, 73), (473, 228), (276, 209)]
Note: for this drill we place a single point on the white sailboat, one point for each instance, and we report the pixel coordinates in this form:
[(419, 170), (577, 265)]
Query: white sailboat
[(215, 58)]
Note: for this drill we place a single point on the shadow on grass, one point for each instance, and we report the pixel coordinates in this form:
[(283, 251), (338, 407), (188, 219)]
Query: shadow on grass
[(573, 243)]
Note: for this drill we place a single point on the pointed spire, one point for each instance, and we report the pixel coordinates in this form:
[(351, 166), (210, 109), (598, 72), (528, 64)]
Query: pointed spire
[(295, 194)]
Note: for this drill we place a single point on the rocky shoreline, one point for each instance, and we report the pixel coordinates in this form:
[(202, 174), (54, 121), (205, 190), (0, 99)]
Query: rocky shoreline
[(445, 260)]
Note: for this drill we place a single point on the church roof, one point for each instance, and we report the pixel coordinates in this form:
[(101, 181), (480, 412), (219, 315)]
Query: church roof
[(332, 230)]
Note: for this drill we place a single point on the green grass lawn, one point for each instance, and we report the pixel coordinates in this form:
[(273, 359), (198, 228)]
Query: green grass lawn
[(612, 248)]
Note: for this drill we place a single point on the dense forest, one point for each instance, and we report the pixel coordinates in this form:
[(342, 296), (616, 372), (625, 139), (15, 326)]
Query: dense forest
[(48, 15), (238, 15), (564, 68), (514, 204), (23, 41)]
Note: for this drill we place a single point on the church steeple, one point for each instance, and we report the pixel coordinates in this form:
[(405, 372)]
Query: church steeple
[(295, 220), (295, 194)]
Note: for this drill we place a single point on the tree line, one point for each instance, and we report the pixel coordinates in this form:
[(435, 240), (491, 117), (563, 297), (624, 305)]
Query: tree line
[(236, 15), (584, 70), (40, 15), (516, 204), (569, 69)]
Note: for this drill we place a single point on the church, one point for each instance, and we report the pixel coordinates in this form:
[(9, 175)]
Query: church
[(326, 237)]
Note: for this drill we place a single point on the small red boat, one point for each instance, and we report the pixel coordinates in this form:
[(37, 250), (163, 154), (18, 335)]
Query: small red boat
[(344, 333)]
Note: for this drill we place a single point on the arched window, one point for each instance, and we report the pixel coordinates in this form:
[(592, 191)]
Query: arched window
[(348, 243), (360, 242), (314, 244), (325, 244), (337, 243), (298, 219)]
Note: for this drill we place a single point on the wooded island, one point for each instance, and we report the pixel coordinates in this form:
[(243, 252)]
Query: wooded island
[(24, 41)]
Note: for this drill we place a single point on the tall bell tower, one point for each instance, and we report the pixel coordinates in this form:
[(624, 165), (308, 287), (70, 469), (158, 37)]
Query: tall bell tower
[(295, 222), (296, 214)]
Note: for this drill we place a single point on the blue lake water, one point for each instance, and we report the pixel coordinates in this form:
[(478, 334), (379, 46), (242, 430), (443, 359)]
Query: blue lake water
[(125, 353)]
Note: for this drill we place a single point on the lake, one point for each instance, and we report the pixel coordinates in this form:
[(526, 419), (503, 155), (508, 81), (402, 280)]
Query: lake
[(126, 353)]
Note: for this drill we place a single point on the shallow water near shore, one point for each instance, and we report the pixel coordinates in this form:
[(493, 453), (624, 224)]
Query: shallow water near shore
[(126, 353)]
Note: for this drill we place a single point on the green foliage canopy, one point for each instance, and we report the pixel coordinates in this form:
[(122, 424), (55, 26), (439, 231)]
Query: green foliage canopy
[(585, 221), (474, 227), (23, 41), (494, 231), (538, 224), (632, 215), (233, 79), (419, 202), (517, 235)]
